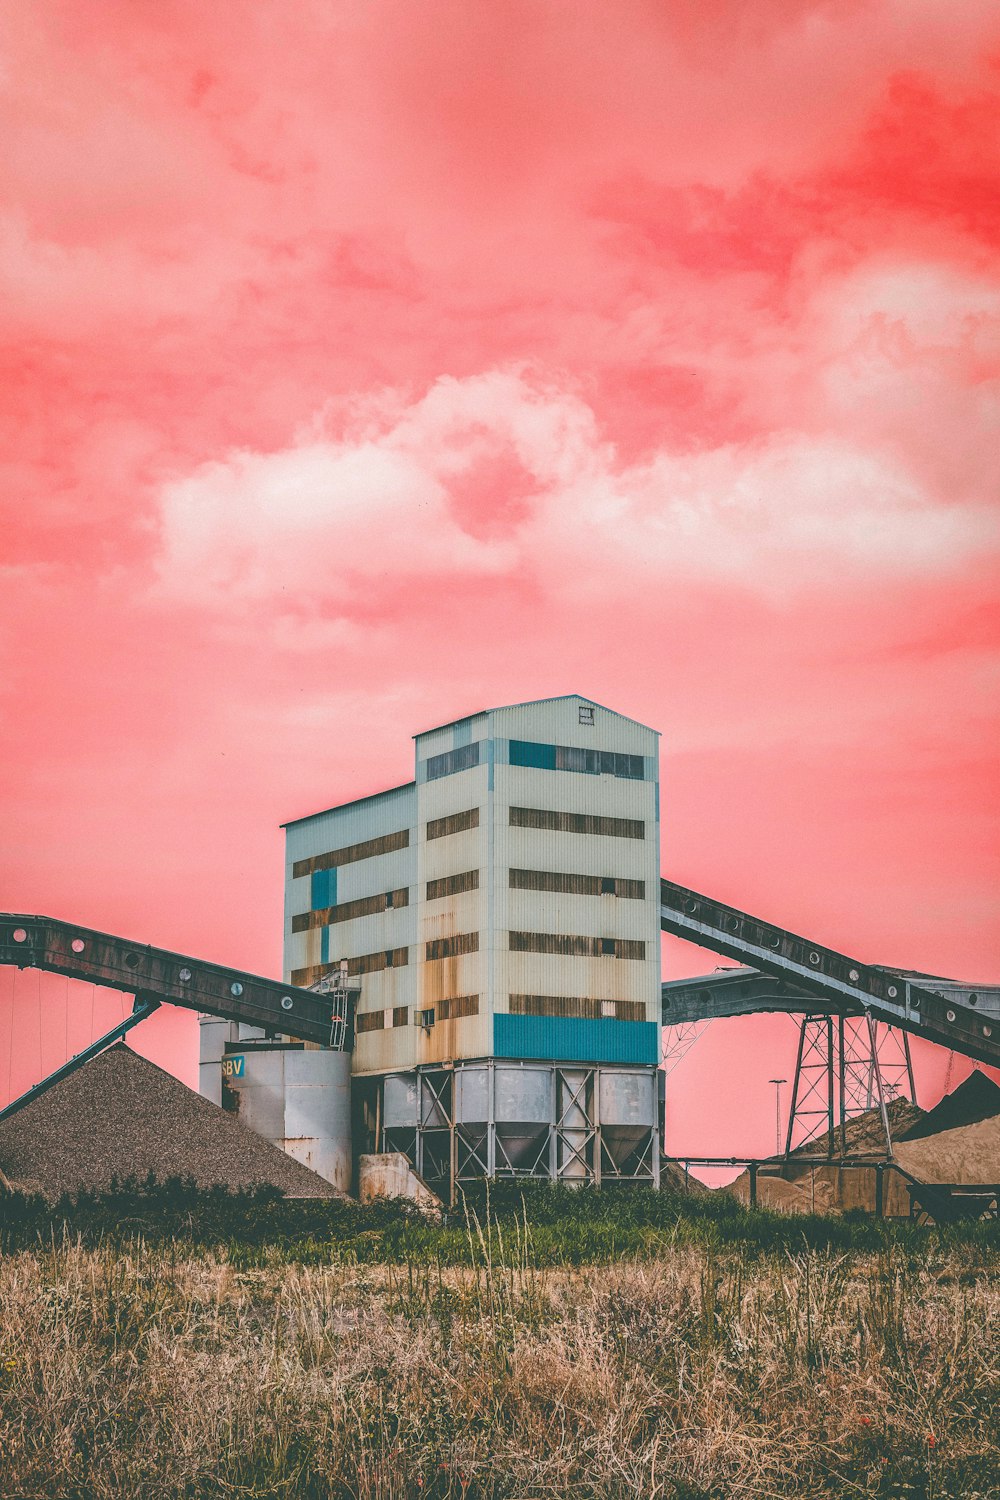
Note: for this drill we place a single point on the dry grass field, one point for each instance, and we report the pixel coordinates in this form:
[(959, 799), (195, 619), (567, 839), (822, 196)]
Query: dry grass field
[(165, 1370)]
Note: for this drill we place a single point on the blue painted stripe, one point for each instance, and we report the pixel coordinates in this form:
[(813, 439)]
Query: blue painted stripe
[(568, 1039), (324, 945)]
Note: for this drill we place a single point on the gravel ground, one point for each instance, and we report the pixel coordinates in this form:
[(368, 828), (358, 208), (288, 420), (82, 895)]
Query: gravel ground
[(120, 1116)]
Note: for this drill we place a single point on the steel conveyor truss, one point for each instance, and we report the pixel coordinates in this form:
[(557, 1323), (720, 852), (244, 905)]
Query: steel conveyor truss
[(790, 973), (157, 977)]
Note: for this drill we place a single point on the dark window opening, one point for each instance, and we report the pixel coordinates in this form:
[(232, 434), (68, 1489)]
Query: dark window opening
[(457, 1007), (453, 947), (462, 759), (438, 828), (576, 946), (577, 1007), (576, 885), (347, 911), (452, 885), (586, 823), (368, 849)]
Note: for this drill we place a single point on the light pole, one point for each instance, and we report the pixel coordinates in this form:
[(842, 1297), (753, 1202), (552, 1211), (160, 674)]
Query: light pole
[(777, 1112)]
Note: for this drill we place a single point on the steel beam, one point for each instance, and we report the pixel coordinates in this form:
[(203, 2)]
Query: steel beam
[(956, 1017), (154, 974)]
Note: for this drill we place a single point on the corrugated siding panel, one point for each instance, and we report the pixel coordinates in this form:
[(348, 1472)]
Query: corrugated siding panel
[(557, 720), (572, 869), (449, 962), (559, 1039), (576, 858)]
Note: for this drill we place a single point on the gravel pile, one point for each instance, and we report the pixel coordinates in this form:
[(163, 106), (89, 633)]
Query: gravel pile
[(978, 1098), (865, 1132), (805, 1188), (122, 1117), (672, 1177)]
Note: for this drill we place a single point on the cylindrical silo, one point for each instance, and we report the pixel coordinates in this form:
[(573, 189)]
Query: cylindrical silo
[(214, 1035), (299, 1098)]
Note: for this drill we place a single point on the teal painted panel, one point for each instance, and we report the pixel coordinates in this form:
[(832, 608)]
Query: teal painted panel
[(533, 753), (323, 889), (545, 757), (562, 1039)]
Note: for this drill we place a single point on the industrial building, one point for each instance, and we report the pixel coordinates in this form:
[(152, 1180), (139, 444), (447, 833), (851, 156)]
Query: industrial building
[(472, 980), (500, 918)]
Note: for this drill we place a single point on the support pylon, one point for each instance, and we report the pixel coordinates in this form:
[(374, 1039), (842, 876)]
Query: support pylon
[(845, 1066)]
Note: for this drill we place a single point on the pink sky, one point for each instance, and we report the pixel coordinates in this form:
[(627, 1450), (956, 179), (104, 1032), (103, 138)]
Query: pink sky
[(364, 365)]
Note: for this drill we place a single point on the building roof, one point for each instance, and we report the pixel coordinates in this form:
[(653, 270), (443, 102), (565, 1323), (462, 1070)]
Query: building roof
[(356, 802), (498, 708), (531, 703)]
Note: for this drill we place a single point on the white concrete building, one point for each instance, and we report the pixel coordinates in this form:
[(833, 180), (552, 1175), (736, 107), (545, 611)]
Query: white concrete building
[(501, 916), (501, 911)]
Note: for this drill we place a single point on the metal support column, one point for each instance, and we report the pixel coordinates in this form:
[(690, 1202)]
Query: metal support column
[(844, 1072), (877, 1076)]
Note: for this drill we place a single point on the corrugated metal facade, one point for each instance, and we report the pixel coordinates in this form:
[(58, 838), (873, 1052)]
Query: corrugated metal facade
[(480, 784), (309, 953)]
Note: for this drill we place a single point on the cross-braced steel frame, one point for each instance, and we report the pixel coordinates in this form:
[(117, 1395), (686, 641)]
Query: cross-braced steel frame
[(571, 1145), (845, 1066)]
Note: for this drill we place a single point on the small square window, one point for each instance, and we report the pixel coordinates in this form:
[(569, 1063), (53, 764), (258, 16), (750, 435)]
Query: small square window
[(388, 900), (608, 885), (586, 713), (608, 1009), (607, 947), (388, 958)]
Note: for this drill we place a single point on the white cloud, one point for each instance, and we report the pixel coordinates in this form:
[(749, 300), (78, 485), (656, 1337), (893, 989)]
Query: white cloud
[(376, 508)]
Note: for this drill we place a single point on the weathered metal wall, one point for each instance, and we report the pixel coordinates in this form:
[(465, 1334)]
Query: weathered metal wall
[(311, 841), (214, 1035), (607, 916), (455, 965), (299, 1098)]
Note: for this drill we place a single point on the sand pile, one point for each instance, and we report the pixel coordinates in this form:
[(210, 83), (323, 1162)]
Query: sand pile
[(672, 1178), (866, 1134), (967, 1154), (820, 1189), (978, 1098), (783, 1197), (122, 1117)]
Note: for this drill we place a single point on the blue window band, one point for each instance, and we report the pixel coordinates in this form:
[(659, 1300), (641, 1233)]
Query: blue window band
[(542, 757)]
